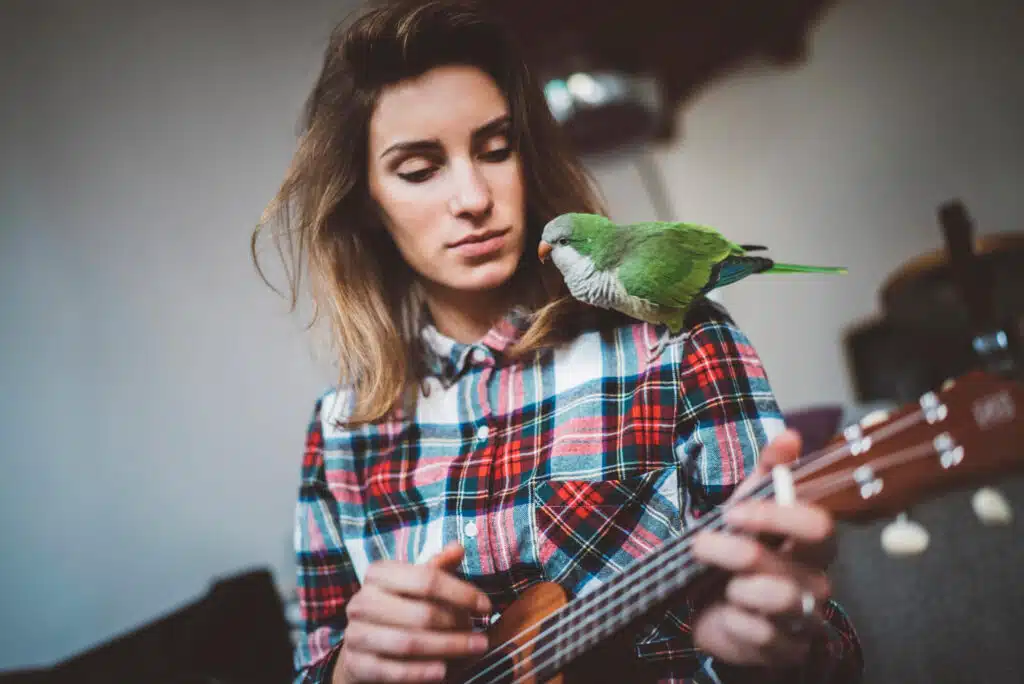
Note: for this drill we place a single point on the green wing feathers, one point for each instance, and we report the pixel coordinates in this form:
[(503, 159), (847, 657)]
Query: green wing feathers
[(697, 241), (669, 267)]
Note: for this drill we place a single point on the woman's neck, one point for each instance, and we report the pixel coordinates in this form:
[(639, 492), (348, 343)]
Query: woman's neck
[(465, 316)]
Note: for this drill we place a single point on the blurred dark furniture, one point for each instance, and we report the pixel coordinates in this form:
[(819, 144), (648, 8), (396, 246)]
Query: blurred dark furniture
[(236, 633), (685, 45), (923, 334), (817, 425)]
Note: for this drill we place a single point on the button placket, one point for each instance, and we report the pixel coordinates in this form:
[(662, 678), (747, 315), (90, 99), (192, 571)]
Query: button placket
[(476, 543)]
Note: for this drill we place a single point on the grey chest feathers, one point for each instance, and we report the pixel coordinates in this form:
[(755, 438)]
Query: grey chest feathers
[(601, 288)]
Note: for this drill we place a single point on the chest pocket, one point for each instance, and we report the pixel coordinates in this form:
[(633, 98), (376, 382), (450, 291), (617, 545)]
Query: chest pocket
[(590, 530)]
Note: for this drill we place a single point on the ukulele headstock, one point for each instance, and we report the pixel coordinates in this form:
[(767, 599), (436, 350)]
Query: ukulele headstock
[(966, 434)]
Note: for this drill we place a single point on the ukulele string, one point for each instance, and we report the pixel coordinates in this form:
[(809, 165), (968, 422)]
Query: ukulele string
[(841, 478), (810, 492), (679, 553)]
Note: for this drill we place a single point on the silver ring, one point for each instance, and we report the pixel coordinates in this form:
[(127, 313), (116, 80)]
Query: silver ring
[(807, 604)]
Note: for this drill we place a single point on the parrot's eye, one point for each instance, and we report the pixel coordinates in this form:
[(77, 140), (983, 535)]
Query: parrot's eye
[(563, 241)]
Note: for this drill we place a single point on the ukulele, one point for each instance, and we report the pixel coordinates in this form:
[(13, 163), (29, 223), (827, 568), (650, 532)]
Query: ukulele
[(966, 434)]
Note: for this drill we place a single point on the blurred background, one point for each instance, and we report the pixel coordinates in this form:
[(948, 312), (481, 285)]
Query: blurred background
[(155, 393)]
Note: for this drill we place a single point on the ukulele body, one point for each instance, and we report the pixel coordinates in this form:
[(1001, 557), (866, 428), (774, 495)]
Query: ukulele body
[(608, 662)]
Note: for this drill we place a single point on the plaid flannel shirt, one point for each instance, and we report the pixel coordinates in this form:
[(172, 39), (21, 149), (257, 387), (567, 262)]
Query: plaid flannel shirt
[(509, 458)]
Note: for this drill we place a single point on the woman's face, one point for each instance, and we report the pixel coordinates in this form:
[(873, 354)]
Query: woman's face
[(443, 171)]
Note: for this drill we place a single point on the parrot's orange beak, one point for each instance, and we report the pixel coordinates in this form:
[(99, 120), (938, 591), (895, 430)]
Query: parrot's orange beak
[(543, 250)]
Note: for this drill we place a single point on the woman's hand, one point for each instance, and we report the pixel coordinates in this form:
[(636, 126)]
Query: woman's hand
[(407, 620), (771, 607)]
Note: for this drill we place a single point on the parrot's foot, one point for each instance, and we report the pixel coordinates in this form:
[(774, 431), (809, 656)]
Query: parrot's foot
[(664, 340)]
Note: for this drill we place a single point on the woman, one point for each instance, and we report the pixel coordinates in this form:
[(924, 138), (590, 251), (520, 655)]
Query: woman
[(480, 412)]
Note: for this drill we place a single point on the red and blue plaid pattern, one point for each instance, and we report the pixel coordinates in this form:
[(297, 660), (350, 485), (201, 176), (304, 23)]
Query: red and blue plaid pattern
[(565, 469)]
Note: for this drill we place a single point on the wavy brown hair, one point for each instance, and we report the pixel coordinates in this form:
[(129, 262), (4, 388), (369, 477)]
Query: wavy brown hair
[(323, 217)]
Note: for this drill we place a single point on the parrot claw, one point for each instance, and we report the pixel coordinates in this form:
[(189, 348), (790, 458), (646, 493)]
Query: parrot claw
[(664, 340)]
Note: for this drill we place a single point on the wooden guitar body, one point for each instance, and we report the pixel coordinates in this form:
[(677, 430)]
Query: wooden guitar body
[(518, 625), (516, 634)]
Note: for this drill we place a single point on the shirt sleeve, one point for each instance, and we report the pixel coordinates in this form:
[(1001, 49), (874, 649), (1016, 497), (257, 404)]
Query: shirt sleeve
[(727, 414), (326, 576)]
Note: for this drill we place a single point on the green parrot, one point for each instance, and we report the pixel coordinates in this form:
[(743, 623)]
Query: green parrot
[(652, 271)]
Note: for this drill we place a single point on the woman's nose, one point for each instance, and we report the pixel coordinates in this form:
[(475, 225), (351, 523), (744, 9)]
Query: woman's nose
[(471, 192)]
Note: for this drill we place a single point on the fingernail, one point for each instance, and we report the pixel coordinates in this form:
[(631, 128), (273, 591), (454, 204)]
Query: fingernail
[(478, 643), (483, 604), (436, 671)]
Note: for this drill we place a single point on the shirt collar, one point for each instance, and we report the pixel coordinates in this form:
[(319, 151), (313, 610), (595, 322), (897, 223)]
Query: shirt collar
[(447, 359)]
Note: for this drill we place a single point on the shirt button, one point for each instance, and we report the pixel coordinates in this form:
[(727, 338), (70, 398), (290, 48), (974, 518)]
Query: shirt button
[(479, 355), (482, 432), (470, 529)]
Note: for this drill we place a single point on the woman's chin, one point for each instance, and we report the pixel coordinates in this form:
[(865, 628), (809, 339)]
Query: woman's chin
[(485, 276)]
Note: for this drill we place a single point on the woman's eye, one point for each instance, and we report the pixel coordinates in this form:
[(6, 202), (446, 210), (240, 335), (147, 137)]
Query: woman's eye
[(417, 176), (497, 155)]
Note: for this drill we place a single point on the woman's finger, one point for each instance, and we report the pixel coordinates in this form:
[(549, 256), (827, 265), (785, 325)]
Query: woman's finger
[(448, 557), (743, 638), (759, 636), (374, 604), (803, 523), (742, 555), (774, 595), (427, 582), (783, 449), (365, 666), (404, 643)]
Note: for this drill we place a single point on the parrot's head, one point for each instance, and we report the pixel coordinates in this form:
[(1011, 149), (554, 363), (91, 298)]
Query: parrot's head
[(570, 238), (579, 244)]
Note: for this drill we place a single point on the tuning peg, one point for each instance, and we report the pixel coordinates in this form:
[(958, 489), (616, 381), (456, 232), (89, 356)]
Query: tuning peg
[(874, 418), (904, 537), (991, 507)]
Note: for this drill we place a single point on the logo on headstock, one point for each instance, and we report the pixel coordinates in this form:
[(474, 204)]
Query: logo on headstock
[(994, 410)]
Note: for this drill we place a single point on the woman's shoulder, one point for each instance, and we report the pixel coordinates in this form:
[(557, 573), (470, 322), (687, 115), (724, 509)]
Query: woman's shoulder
[(706, 313), (707, 323), (332, 408)]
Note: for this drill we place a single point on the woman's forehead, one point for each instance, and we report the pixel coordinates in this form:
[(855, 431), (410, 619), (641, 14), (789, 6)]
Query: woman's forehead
[(444, 103)]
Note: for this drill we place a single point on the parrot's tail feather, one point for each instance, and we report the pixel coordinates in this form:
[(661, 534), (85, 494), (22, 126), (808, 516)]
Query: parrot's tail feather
[(753, 248), (801, 268), (734, 269)]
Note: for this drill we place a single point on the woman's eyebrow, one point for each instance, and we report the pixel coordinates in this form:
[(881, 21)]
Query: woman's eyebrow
[(493, 127), (496, 125), (413, 146)]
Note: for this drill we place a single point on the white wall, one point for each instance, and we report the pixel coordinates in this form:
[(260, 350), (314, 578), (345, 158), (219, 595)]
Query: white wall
[(155, 393)]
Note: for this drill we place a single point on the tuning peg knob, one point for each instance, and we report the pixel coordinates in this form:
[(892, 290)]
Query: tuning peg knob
[(874, 418), (904, 537), (991, 507)]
